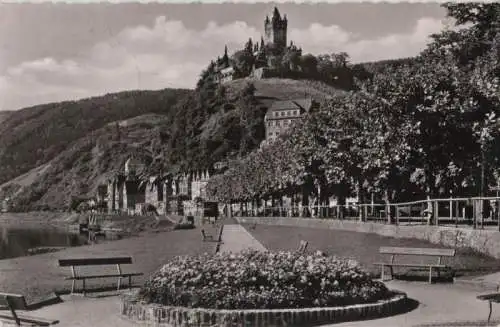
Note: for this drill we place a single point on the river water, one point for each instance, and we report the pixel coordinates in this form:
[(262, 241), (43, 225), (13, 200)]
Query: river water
[(16, 241)]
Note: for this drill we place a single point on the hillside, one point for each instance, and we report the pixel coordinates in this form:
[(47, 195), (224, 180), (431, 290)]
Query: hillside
[(4, 115), (197, 130), (79, 169), (33, 136), (229, 121), (269, 90)]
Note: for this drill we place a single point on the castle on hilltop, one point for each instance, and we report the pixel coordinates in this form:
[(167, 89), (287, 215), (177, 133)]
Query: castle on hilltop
[(271, 57), (275, 31)]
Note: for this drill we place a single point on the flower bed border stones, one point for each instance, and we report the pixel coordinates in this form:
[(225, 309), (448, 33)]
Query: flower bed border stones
[(198, 317)]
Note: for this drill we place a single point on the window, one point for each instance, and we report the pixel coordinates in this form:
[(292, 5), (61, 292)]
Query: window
[(295, 112), (278, 123), (160, 193), (288, 113)]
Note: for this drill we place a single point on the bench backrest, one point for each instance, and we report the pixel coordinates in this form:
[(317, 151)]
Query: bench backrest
[(302, 246), (418, 251), (95, 261), (13, 301)]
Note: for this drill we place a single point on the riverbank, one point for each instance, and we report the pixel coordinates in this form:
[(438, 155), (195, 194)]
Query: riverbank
[(130, 225)]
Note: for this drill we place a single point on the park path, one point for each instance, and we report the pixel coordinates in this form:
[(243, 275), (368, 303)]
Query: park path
[(236, 238), (439, 305), (88, 311)]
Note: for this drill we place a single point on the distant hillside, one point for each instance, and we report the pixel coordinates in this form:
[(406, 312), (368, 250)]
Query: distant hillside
[(190, 132), (33, 136), (89, 161), (4, 115)]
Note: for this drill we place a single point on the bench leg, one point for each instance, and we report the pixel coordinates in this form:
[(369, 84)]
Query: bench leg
[(119, 282), (13, 312), (129, 282), (430, 275), (489, 315), (83, 282), (72, 286), (382, 272), (391, 268)]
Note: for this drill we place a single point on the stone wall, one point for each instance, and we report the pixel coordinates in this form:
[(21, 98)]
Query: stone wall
[(180, 316), (484, 241)]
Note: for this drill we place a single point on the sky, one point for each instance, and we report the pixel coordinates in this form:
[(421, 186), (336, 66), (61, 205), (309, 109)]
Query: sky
[(54, 51)]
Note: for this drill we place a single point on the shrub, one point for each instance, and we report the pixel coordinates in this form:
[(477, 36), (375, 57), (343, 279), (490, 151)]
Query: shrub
[(257, 280), (184, 226)]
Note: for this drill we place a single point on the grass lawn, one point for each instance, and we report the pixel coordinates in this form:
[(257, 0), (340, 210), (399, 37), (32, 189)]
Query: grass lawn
[(364, 247), (37, 276)]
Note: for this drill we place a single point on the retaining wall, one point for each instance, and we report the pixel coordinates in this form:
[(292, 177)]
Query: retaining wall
[(180, 316), (484, 241)]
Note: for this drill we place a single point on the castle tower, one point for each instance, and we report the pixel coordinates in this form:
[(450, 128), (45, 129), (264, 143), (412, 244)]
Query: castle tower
[(275, 30)]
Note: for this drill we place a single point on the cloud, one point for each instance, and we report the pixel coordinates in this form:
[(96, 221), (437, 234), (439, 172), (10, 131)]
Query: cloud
[(168, 54), (326, 39)]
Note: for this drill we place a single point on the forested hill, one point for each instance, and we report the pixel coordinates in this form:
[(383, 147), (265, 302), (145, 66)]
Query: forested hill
[(4, 115), (33, 136), (59, 151)]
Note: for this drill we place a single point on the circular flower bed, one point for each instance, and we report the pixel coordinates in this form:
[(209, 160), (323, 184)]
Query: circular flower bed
[(258, 280)]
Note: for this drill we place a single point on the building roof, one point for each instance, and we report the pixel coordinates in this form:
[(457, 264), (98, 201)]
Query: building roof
[(303, 104), (227, 70)]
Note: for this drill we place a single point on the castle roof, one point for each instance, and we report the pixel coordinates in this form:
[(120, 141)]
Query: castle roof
[(276, 13), (303, 104)]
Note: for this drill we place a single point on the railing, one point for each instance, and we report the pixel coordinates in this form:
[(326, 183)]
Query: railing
[(478, 212)]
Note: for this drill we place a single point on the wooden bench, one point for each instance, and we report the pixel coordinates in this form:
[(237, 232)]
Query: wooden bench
[(207, 237), (403, 251), (302, 246), (97, 262), (15, 302), (491, 298)]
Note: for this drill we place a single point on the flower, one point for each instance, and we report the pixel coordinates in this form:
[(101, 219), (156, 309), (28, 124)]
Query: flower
[(253, 280)]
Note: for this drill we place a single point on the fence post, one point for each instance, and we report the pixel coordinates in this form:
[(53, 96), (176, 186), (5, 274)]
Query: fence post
[(451, 209), (388, 212), (396, 214), (474, 214), (481, 211), (436, 213)]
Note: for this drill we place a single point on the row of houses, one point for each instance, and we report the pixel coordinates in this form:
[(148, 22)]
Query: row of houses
[(129, 192)]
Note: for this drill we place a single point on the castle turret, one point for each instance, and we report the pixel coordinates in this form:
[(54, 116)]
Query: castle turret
[(275, 30), (225, 58)]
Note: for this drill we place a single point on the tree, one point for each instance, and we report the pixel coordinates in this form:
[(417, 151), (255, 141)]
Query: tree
[(308, 64)]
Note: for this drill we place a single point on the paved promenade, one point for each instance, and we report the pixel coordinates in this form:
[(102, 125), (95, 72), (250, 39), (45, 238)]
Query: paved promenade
[(236, 238), (88, 311), (438, 305)]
